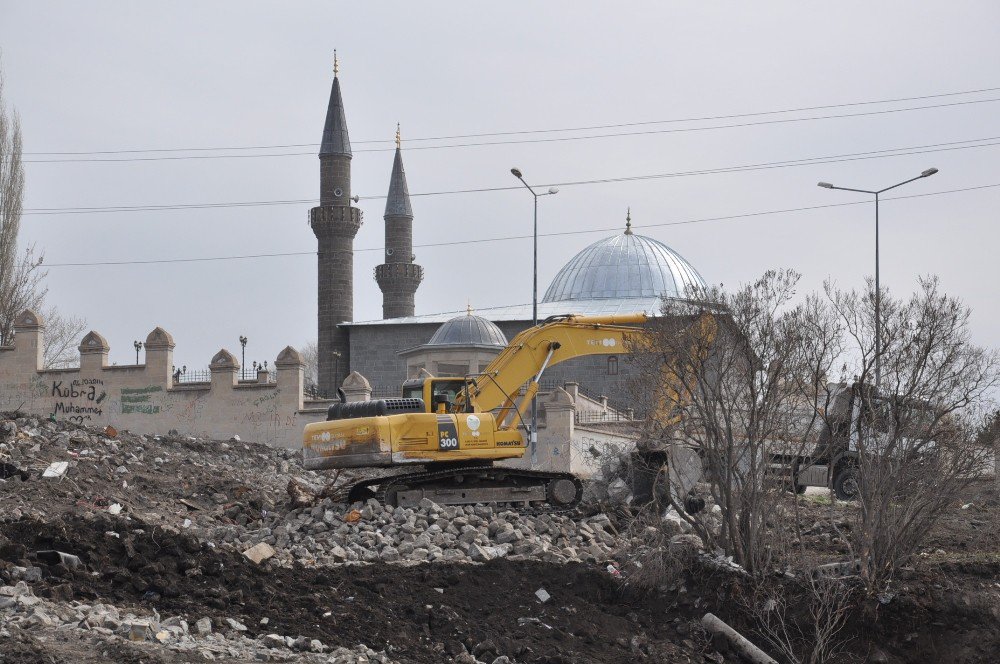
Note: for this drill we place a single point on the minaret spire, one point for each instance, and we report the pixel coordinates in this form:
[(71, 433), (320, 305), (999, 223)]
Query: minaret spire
[(397, 203), (335, 138), (335, 223), (399, 276)]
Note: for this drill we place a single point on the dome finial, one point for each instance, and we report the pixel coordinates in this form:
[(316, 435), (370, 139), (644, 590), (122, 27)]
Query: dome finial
[(399, 139), (628, 221), (336, 64), (468, 307)]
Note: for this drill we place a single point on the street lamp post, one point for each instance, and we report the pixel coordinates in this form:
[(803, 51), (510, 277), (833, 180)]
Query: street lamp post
[(138, 346), (878, 289), (243, 356), (533, 434), (336, 364)]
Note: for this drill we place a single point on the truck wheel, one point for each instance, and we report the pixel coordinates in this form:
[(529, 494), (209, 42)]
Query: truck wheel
[(845, 484), (795, 487)]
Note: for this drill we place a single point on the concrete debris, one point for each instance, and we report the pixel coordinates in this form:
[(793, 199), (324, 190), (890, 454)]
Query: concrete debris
[(259, 552), (236, 624), (203, 626), (542, 595), (58, 557), (299, 494), (138, 631), (619, 493), (56, 469), (837, 570)]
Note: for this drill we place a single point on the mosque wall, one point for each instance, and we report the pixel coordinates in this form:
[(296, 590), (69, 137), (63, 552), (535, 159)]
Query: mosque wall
[(375, 348), (375, 352)]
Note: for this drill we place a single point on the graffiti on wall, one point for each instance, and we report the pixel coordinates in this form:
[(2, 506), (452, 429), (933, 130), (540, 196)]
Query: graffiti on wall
[(140, 400), (79, 400)]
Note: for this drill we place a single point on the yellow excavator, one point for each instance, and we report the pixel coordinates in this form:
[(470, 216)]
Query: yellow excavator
[(454, 429)]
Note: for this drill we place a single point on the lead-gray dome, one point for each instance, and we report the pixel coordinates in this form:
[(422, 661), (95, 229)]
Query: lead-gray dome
[(624, 266), (468, 330)]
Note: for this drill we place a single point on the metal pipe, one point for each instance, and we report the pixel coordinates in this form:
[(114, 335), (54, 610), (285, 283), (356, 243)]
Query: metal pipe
[(553, 347), (748, 650)]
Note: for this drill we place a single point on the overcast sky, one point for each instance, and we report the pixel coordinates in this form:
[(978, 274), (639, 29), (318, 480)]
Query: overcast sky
[(114, 76)]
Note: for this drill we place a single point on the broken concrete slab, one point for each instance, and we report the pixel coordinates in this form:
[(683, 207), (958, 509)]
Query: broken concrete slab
[(259, 553), (56, 469)]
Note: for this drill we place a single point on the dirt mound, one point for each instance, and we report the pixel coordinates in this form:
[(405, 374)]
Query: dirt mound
[(423, 613)]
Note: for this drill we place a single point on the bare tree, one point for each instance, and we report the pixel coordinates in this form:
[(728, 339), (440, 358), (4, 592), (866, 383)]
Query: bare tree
[(803, 621), (20, 273), (310, 356), (917, 447), (738, 377), (62, 339)]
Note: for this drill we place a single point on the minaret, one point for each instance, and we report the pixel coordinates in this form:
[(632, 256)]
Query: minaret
[(399, 276), (335, 224)]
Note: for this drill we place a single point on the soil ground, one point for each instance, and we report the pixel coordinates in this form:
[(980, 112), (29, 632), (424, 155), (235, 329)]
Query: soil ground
[(945, 607), (411, 611)]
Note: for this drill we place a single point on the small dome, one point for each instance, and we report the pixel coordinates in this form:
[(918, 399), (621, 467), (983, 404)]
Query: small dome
[(624, 266), (468, 330)]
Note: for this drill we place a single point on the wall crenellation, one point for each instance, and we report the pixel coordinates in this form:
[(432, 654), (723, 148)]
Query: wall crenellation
[(145, 397)]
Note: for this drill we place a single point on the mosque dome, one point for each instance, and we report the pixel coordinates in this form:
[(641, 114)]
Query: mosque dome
[(468, 330), (622, 267)]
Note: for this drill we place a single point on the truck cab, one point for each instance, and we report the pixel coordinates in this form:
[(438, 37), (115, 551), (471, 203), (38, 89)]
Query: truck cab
[(856, 417)]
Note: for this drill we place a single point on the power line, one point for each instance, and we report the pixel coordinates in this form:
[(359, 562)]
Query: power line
[(542, 131), (788, 163), (560, 139), (745, 215)]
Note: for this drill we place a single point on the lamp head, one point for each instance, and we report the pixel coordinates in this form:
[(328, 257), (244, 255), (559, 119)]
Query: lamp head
[(825, 185), (929, 172), (517, 172), (553, 190)]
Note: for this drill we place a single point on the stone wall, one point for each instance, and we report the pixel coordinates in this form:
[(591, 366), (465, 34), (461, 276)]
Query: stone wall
[(375, 348), (144, 398)]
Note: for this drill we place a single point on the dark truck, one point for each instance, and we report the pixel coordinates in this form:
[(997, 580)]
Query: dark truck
[(856, 417)]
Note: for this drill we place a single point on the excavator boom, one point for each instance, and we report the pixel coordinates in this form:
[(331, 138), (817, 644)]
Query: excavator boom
[(535, 349)]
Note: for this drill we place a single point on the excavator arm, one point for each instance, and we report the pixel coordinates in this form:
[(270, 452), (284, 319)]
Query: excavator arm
[(535, 349)]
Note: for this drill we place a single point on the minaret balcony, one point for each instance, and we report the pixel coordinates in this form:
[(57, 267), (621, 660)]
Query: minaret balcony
[(399, 276), (335, 221)]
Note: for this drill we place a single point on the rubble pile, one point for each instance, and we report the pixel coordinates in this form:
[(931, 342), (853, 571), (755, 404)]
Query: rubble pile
[(188, 549), (207, 639), (49, 467), (332, 534)]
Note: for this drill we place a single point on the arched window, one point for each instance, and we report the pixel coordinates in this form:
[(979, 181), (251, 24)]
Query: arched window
[(613, 365)]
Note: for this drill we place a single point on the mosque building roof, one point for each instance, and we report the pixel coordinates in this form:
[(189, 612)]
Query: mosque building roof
[(621, 274)]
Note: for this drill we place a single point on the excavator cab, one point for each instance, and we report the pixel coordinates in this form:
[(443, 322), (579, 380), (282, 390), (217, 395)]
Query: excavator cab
[(439, 394)]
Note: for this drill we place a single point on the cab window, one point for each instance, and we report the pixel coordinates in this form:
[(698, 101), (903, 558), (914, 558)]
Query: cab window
[(448, 389)]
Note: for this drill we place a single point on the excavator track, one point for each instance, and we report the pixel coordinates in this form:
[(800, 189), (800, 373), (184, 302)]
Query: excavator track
[(526, 490)]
